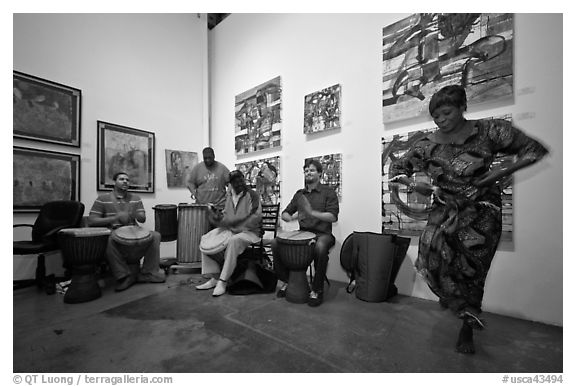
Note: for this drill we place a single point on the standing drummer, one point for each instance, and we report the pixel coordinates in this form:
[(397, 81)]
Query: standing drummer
[(208, 181), (119, 208), (316, 208)]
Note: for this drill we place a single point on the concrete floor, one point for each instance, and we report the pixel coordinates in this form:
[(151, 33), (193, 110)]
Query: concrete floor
[(173, 328)]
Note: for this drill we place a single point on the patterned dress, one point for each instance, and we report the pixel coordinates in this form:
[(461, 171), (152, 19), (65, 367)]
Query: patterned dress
[(464, 226)]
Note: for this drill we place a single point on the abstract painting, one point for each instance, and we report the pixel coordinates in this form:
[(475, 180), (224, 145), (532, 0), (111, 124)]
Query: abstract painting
[(258, 123), (322, 110), (179, 165), (40, 176), (122, 148), (45, 111), (264, 177), (331, 172), (395, 220), (427, 51)]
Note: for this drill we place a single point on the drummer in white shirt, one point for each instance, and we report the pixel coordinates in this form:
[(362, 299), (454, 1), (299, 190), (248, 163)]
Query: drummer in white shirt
[(242, 215), (316, 208)]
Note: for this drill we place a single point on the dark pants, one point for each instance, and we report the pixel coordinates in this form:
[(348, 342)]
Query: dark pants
[(323, 244)]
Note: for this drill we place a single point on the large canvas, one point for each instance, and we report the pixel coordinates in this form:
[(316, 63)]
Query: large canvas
[(322, 110), (263, 176), (179, 165), (40, 176), (331, 172), (427, 51), (393, 195), (258, 123), (45, 111), (125, 149)]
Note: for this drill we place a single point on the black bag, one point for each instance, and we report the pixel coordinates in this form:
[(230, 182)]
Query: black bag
[(372, 261), (249, 277)]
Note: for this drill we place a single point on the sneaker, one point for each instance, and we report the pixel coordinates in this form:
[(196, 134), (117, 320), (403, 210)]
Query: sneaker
[(315, 299), (208, 285), (124, 283), (150, 278), (281, 293)]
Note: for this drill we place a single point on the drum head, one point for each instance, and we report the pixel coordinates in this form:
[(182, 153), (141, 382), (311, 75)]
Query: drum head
[(215, 241), (296, 235), (131, 232), (85, 232)]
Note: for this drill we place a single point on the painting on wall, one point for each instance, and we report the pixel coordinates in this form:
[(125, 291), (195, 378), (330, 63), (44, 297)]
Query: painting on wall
[(322, 110), (122, 148), (331, 172), (258, 123), (179, 165), (40, 176), (263, 176), (427, 51), (45, 111), (403, 211)]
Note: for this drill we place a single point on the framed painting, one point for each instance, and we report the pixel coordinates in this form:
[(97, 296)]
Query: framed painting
[(427, 51), (125, 149), (331, 172), (45, 111), (322, 110), (404, 211), (179, 165), (40, 176), (263, 176), (258, 124)]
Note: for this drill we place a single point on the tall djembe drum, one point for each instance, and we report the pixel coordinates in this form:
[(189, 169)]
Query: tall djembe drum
[(296, 251), (192, 224), (83, 249)]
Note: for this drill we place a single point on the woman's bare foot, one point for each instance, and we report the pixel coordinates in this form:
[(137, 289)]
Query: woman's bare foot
[(465, 344)]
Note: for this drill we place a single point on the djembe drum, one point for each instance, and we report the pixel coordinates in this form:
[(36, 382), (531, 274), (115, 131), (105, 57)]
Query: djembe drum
[(296, 251), (192, 225), (82, 250), (214, 243), (132, 241), (166, 221)]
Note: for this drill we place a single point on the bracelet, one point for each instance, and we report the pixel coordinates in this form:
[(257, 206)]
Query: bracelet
[(412, 185)]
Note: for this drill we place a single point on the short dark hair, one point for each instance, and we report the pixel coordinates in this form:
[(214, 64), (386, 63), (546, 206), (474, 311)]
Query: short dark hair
[(115, 176), (453, 95), (235, 174), (312, 161), (208, 150)]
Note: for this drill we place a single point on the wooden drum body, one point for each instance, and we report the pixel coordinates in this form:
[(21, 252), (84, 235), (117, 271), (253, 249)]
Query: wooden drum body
[(132, 241), (82, 250), (192, 224), (166, 221), (296, 251)]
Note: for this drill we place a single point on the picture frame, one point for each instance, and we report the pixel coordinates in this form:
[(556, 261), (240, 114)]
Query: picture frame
[(122, 148), (179, 165), (40, 176), (46, 111)]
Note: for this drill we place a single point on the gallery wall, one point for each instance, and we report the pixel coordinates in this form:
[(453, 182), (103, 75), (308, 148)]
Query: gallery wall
[(144, 71), (313, 51)]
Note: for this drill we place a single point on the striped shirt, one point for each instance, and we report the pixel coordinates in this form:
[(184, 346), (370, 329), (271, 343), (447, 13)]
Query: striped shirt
[(107, 205)]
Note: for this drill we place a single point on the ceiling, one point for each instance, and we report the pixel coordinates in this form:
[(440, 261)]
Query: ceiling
[(215, 18)]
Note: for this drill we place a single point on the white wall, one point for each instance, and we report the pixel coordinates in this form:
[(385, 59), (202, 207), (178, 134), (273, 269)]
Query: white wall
[(145, 71), (311, 52)]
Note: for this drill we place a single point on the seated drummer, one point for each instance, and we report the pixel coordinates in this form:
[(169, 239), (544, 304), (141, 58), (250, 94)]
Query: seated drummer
[(116, 209), (316, 208), (242, 214)]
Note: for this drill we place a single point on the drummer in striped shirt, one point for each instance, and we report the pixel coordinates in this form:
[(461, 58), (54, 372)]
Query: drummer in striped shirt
[(119, 208)]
